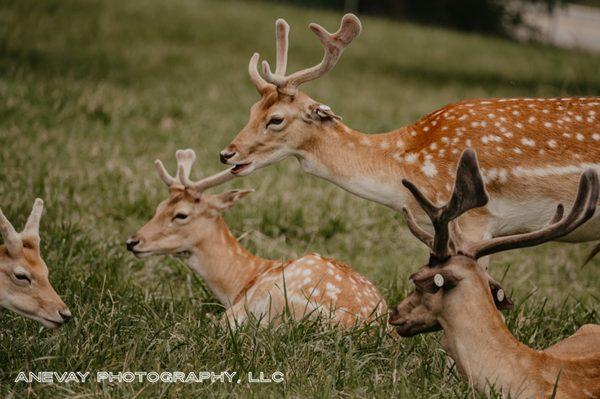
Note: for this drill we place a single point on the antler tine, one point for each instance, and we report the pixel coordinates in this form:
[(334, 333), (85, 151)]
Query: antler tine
[(32, 227), (185, 160), (282, 29), (414, 228), (12, 239), (469, 192), (333, 45), (163, 174), (214, 180), (261, 84), (583, 209)]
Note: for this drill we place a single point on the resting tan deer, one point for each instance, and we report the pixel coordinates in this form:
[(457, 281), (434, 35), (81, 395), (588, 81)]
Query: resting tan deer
[(189, 223), (452, 293), (24, 284), (532, 149)]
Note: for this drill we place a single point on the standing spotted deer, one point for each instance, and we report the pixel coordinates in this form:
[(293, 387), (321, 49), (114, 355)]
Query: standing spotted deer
[(189, 223), (24, 284), (532, 150), (452, 294)]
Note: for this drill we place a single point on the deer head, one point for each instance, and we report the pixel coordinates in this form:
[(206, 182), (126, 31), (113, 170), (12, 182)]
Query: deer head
[(188, 216), (24, 284), (285, 120), (452, 274)]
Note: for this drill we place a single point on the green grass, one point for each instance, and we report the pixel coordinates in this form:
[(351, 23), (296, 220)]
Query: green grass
[(92, 92)]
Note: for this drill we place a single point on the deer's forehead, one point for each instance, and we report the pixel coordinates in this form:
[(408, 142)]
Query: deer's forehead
[(34, 260), (272, 100), (30, 259), (176, 198)]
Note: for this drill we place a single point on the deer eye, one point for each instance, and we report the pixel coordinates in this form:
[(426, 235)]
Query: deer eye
[(22, 277), (180, 216), (275, 120)]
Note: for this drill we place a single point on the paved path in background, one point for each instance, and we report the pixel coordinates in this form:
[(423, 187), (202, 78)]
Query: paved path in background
[(571, 26)]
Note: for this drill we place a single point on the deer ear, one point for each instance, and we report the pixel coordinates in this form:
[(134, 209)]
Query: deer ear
[(432, 279), (323, 112), (501, 300), (226, 200)]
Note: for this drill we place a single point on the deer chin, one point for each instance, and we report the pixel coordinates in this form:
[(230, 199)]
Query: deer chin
[(148, 253), (51, 324), (407, 330), (243, 169), (46, 322), (143, 254)]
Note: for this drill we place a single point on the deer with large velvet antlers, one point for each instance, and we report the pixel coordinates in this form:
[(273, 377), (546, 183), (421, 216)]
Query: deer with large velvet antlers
[(24, 284), (189, 224), (452, 294), (532, 149)]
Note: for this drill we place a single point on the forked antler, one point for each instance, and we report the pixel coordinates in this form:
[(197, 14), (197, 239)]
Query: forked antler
[(583, 209), (333, 44), (469, 192), (185, 160), (14, 240)]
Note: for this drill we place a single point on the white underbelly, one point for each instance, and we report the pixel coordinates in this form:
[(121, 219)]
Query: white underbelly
[(511, 217)]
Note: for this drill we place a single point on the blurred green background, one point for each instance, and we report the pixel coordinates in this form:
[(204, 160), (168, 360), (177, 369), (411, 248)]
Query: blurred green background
[(91, 92)]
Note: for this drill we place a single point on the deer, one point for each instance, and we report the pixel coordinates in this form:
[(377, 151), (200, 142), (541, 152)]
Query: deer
[(532, 150), (452, 293), (189, 224), (24, 284)]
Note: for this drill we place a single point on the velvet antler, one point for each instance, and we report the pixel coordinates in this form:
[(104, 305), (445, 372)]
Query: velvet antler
[(333, 44), (185, 160)]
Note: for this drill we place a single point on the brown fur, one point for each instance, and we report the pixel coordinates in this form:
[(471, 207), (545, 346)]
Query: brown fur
[(35, 299), (531, 152), (244, 283), (453, 292)]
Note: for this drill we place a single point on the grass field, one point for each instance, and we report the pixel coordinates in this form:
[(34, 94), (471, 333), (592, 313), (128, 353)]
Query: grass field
[(91, 92)]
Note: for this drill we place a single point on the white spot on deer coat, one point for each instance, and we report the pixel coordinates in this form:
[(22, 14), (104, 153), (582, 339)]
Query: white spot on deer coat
[(411, 157), (528, 142), (429, 169)]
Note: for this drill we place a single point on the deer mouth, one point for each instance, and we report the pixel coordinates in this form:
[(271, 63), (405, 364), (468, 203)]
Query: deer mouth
[(142, 254), (243, 169), (49, 323)]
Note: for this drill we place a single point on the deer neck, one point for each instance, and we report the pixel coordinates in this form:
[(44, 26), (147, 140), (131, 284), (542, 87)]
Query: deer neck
[(484, 350), (363, 164), (226, 267)]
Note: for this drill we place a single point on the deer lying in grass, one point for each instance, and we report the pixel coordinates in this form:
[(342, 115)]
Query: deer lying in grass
[(452, 294), (24, 284), (532, 150), (189, 223)]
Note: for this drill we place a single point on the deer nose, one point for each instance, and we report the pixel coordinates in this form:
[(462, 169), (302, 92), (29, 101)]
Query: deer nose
[(393, 313), (131, 243), (65, 314), (225, 155)]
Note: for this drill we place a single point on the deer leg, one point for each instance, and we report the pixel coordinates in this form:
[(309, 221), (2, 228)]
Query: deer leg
[(235, 316)]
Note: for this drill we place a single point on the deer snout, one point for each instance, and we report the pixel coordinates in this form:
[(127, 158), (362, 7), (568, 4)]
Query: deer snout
[(225, 155), (395, 317), (131, 243), (65, 314)]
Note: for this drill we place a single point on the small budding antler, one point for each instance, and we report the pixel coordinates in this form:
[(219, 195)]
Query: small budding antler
[(14, 240), (469, 192), (185, 160), (333, 44)]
